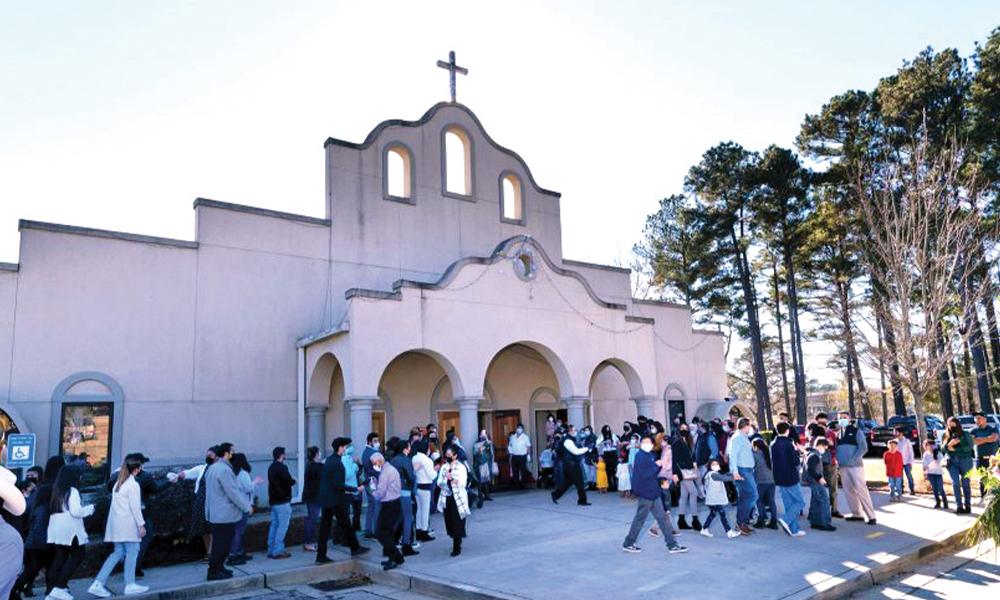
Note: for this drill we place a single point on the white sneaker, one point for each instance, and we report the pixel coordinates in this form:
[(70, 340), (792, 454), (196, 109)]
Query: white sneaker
[(97, 589), (706, 533), (60, 594), (134, 588), (415, 545), (799, 533), (733, 533)]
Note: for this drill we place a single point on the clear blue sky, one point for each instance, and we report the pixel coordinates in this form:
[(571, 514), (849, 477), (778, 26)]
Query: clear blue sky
[(118, 114)]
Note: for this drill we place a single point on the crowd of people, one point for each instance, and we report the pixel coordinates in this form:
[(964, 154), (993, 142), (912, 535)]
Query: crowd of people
[(387, 493)]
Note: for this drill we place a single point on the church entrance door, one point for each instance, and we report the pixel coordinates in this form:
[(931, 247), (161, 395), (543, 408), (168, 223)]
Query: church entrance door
[(378, 424), (448, 420), (504, 423)]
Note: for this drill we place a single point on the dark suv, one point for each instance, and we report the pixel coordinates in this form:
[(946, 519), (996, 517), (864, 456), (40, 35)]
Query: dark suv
[(879, 437)]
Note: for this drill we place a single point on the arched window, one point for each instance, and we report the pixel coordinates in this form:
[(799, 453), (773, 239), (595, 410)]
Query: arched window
[(398, 173), (511, 199), (457, 162)]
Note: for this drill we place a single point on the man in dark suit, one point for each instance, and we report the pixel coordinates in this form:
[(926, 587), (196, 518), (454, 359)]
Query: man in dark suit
[(334, 497)]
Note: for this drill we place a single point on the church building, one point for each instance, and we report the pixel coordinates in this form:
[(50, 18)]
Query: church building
[(434, 290)]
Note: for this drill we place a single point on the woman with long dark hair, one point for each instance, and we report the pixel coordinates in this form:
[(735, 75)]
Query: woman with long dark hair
[(607, 448), (483, 460), (687, 471), (454, 501), (764, 475), (241, 467), (310, 496), (66, 532), (958, 446), (125, 529)]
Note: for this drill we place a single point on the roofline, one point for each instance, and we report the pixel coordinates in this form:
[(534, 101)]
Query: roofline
[(106, 234), (427, 116), (308, 340), (707, 332), (580, 263), (12, 267), (263, 212), (660, 303)]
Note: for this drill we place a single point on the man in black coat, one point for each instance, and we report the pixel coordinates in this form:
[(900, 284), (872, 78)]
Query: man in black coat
[(335, 496)]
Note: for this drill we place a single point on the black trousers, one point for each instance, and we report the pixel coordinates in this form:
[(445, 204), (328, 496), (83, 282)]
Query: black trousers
[(222, 539), (572, 475), (519, 471), (65, 560), (390, 513), (146, 540), (356, 506), (344, 530), (611, 468), (34, 562)]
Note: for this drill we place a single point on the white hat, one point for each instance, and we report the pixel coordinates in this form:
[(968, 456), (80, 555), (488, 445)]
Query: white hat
[(13, 499)]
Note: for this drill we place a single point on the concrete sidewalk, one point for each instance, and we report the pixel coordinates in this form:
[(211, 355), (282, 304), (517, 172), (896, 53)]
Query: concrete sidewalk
[(523, 546)]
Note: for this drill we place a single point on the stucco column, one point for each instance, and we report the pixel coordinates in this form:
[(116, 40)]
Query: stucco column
[(468, 417), (316, 427), (644, 406), (576, 411), (361, 418)]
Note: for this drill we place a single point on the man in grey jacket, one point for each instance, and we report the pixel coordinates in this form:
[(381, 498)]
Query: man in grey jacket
[(224, 507), (851, 449)]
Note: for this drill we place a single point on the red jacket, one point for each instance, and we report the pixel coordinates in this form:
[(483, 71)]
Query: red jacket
[(893, 463)]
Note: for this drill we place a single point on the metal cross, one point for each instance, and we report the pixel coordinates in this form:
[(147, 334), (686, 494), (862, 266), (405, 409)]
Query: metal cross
[(452, 69)]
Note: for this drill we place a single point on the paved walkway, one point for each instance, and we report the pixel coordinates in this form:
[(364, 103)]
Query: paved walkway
[(969, 574), (523, 546)]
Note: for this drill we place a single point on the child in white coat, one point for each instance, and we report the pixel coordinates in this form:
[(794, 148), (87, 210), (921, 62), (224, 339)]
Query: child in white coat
[(125, 530), (716, 500)]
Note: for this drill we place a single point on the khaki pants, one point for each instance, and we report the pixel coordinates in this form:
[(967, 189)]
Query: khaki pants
[(852, 480), (830, 473)]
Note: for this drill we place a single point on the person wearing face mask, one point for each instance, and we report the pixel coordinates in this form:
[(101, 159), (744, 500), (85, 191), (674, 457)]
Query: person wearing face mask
[(571, 457), (519, 448), (851, 450), (607, 448), (741, 463), (198, 526), (647, 489), (483, 460), (454, 500), (785, 468), (958, 445), (352, 472), (812, 475), (550, 429), (372, 447), (423, 468), (684, 467), (387, 493)]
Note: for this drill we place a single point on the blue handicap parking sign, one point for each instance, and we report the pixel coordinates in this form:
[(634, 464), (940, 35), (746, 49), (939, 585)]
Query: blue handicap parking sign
[(20, 450)]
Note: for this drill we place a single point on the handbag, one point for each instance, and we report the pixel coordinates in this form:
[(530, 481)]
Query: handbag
[(689, 473), (495, 469)]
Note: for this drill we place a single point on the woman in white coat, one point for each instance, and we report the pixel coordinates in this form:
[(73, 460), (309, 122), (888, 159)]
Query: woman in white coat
[(66, 533), (11, 545), (125, 530)]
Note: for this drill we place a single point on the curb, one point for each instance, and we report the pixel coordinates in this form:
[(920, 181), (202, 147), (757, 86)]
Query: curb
[(875, 571)]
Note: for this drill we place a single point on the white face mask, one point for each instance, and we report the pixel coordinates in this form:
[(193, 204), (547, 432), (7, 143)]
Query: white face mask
[(844, 422), (715, 467), (647, 447), (376, 445)]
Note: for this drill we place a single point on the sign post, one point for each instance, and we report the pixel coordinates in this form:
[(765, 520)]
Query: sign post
[(20, 450)]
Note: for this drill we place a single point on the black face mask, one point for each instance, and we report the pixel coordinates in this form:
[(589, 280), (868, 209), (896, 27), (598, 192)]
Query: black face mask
[(450, 458)]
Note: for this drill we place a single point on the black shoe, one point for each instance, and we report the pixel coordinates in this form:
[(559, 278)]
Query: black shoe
[(836, 515), (696, 524), (323, 560), (854, 518), (409, 551), (873, 522), (554, 499), (682, 523), (389, 565), (480, 503), (584, 503), (360, 550), (772, 524), (760, 524), (456, 551), (937, 504), (220, 575), (234, 561)]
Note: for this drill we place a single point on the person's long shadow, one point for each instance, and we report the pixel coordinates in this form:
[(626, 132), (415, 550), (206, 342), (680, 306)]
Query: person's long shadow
[(973, 573)]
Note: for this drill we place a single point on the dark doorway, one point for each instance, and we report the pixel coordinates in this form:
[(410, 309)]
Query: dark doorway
[(676, 409)]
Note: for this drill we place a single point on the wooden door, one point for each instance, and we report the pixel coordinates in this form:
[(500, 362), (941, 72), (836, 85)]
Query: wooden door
[(378, 425), (504, 423), (447, 420)]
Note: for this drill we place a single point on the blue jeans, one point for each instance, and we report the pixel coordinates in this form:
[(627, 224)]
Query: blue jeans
[(937, 484), (712, 512), (908, 471), (312, 518), (793, 503), (406, 505), (747, 491), (371, 512), (819, 505), (765, 500), (958, 469), (127, 550), (236, 547), (281, 514), (895, 487)]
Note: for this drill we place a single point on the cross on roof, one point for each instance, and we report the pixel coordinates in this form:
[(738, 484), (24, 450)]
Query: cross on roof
[(452, 69)]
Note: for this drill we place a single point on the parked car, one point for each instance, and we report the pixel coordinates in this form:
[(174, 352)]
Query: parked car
[(878, 438), (969, 422)]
